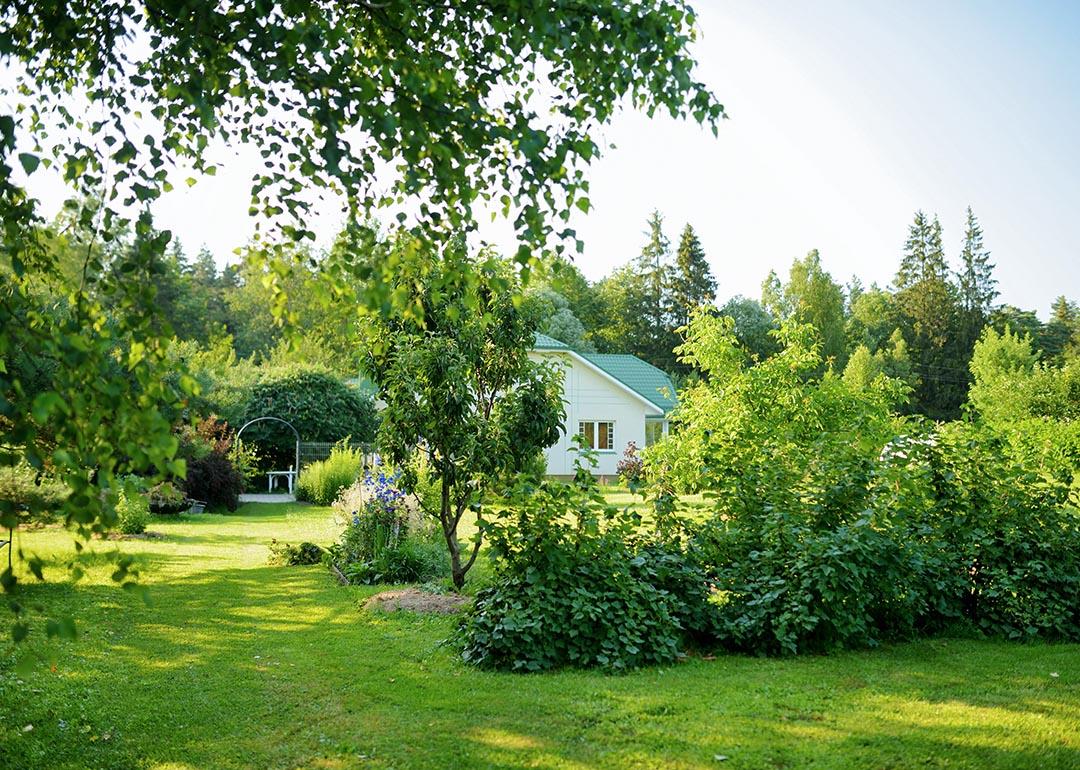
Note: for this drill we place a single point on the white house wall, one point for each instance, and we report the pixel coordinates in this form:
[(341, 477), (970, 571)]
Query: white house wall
[(589, 395)]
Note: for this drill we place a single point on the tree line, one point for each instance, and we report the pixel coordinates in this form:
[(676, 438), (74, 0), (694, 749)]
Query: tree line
[(921, 329)]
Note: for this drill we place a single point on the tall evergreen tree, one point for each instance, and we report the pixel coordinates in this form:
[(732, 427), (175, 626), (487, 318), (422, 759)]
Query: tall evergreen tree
[(652, 265), (690, 282), (924, 254), (976, 283), (1060, 336), (930, 318), (976, 290)]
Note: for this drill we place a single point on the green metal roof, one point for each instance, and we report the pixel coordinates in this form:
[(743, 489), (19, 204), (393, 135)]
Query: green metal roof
[(639, 376), (544, 342)]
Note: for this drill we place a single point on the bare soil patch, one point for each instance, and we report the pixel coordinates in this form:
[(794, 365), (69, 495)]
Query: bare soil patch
[(414, 600)]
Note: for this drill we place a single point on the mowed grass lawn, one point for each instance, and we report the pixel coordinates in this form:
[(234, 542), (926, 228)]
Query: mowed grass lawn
[(238, 664)]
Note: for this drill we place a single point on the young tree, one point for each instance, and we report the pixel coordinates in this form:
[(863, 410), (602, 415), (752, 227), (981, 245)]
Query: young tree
[(690, 282), (812, 297), (458, 384)]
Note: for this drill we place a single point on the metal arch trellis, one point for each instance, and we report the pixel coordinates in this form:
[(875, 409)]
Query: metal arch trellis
[(296, 466)]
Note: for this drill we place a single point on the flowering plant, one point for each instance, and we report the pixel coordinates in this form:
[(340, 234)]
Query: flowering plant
[(631, 468)]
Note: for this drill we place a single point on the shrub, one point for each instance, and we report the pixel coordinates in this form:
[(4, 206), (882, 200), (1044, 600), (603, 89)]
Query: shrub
[(289, 555), (32, 494), (214, 480), (631, 468), (132, 512), (321, 482), (319, 405), (576, 585), (386, 539), (211, 475), (166, 498)]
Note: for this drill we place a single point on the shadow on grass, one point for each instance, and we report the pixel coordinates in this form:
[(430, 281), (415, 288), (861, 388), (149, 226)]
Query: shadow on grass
[(277, 667)]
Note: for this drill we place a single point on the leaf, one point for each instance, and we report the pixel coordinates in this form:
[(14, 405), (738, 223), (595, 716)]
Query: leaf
[(29, 162)]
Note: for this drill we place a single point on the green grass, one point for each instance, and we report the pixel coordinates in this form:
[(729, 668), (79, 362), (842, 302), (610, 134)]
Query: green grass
[(237, 664)]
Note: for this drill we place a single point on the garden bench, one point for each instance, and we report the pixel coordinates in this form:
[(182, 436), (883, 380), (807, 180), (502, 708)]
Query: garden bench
[(290, 477)]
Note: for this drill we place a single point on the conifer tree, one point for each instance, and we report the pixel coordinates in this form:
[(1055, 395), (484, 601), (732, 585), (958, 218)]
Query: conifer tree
[(978, 288), (691, 282), (652, 264), (930, 315)]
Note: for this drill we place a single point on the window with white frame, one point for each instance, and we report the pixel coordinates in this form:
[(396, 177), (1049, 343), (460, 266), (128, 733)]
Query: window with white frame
[(654, 431), (599, 434)]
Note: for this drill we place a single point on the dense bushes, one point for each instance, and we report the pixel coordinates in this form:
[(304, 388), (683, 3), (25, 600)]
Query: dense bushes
[(212, 477), (386, 538), (576, 584), (322, 481), (838, 524)]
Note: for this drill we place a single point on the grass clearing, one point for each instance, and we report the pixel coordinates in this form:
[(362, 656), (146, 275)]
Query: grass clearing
[(238, 664)]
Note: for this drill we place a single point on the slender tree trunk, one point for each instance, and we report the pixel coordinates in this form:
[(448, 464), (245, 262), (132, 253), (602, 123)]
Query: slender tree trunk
[(449, 527)]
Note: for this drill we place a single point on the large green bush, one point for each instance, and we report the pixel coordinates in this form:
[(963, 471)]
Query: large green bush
[(838, 524), (212, 477), (319, 405), (322, 481), (577, 584)]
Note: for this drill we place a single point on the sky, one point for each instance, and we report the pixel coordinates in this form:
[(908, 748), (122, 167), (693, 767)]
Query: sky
[(845, 117)]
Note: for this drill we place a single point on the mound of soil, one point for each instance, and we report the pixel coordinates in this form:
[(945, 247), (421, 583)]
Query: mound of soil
[(416, 601)]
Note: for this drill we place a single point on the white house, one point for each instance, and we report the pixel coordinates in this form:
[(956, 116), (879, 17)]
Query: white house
[(610, 399)]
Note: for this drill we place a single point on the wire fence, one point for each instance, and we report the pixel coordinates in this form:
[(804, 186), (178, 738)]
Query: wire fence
[(314, 451)]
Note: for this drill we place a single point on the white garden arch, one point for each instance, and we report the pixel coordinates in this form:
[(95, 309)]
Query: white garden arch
[(296, 433)]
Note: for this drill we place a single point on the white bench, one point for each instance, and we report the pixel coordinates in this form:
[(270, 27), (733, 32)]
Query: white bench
[(290, 478)]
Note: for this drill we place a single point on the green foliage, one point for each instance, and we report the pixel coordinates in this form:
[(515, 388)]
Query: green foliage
[(166, 497), (132, 512), (576, 585), (320, 406), (753, 327), (386, 539), (31, 494), (811, 297), (288, 555), (321, 482), (999, 363), (837, 524), (455, 376), (690, 282), (211, 475), (557, 320)]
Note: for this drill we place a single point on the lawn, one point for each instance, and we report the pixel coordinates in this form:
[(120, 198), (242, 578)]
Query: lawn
[(237, 664)]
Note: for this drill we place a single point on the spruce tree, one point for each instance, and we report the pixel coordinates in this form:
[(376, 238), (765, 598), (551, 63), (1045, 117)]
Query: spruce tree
[(976, 283), (976, 289), (651, 266), (690, 283), (915, 249), (930, 317)]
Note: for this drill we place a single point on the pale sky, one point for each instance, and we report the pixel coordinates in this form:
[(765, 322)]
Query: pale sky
[(845, 118)]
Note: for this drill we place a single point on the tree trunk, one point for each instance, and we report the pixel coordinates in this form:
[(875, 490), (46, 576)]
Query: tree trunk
[(449, 528)]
